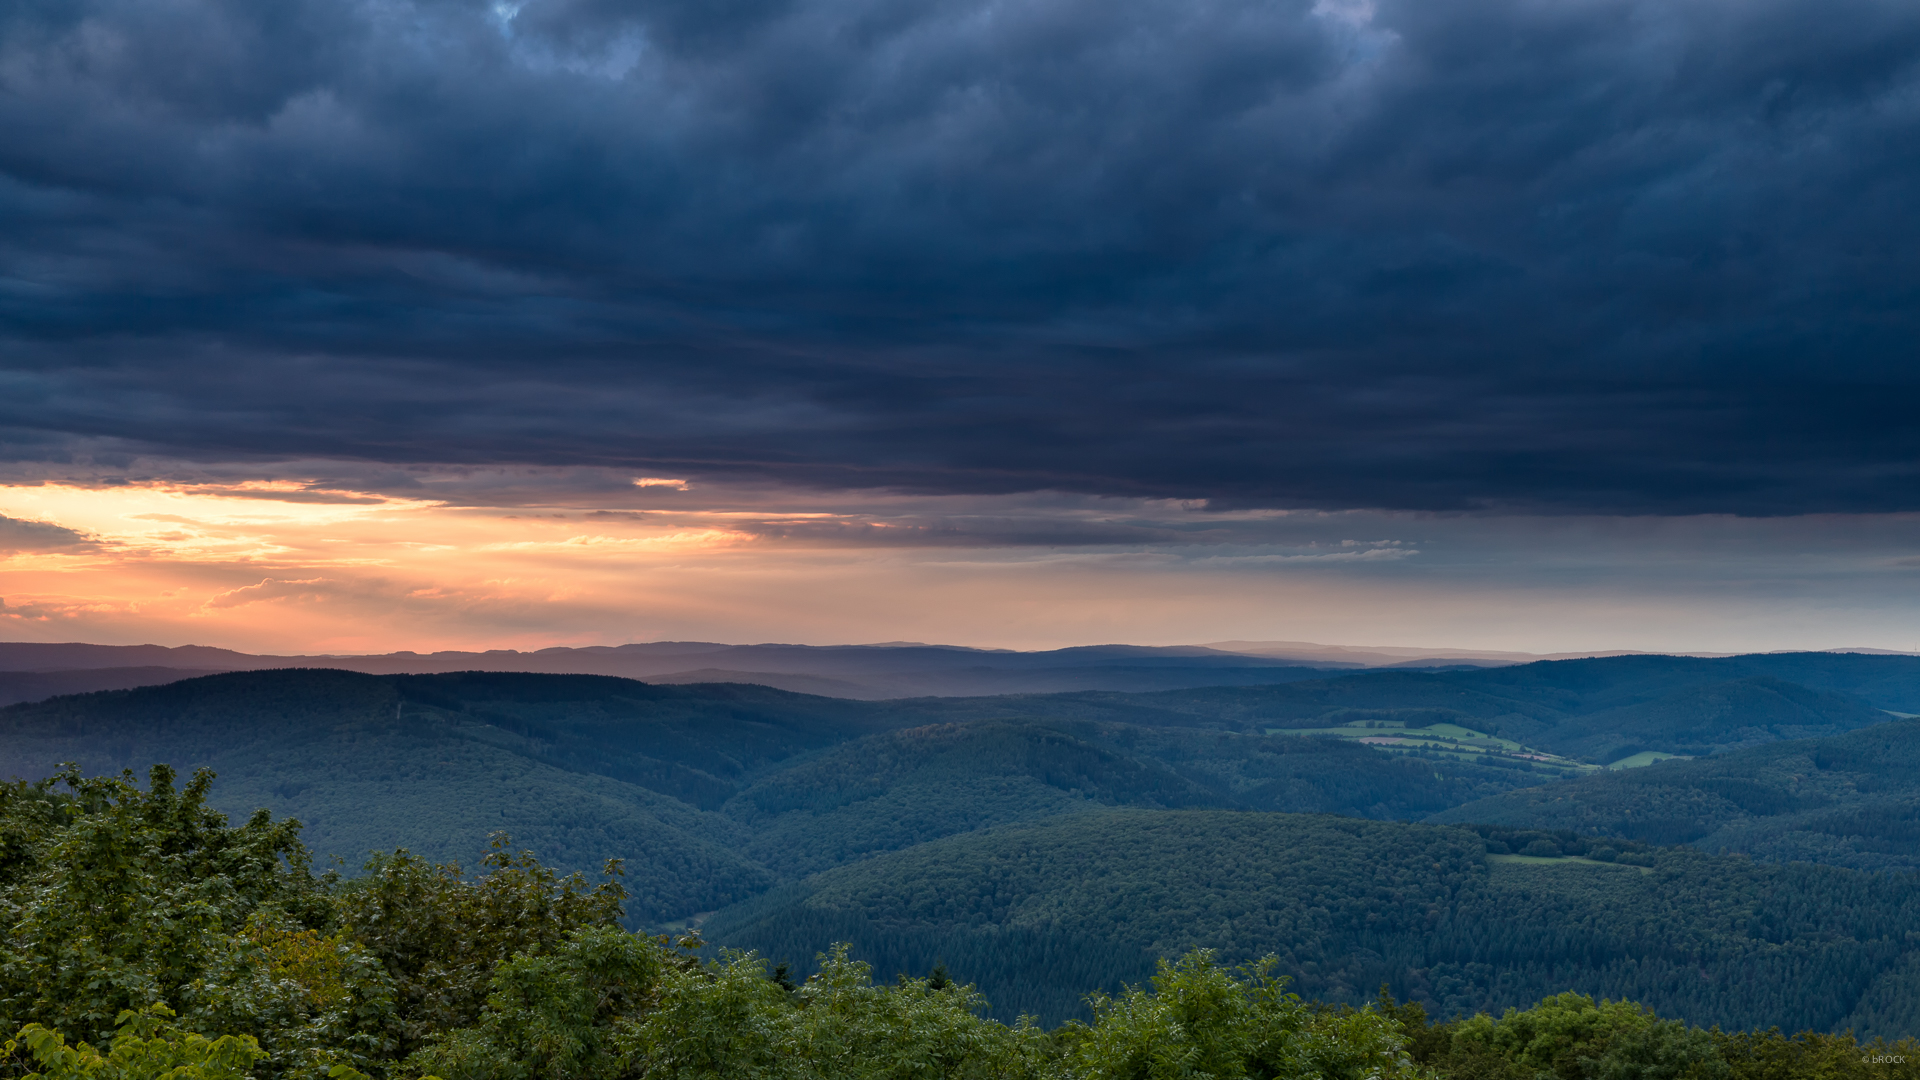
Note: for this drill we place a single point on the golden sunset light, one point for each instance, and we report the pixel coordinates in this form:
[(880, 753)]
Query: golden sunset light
[(292, 566)]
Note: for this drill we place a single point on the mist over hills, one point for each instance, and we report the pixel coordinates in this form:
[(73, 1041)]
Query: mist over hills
[(36, 685)]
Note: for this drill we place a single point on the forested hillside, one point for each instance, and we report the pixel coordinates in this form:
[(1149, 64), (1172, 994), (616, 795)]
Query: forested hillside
[(1849, 800), (1037, 912), (583, 768), (1596, 710), (146, 937), (892, 790), (1046, 845), (719, 792), (713, 793)]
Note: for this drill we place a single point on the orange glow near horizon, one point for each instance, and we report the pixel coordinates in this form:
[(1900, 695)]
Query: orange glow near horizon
[(292, 567), (261, 565)]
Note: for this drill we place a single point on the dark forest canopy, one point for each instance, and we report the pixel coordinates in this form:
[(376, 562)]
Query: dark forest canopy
[(145, 936), (1459, 919)]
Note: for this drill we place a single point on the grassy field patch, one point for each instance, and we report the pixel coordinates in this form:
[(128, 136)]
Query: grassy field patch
[(1644, 757), (1463, 743)]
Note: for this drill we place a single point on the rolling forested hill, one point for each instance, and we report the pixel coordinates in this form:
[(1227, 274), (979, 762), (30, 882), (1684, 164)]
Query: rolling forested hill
[(1596, 710), (718, 791), (1037, 912), (1848, 800), (438, 761), (712, 793), (892, 790), (1045, 844), (371, 763)]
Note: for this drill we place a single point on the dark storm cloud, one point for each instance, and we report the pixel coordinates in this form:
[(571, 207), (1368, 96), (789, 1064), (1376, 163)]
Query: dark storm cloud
[(1592, 255)]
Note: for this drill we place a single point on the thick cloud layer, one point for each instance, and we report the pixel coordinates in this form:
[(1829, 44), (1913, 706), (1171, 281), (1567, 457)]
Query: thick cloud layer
[(1580, 255)]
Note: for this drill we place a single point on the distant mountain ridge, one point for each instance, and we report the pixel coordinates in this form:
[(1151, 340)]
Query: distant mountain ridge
[(863, 672), (628, 661), (853, 671)]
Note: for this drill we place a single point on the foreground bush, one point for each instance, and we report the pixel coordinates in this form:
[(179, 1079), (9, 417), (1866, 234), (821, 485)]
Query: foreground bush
[(1572, 1037), (147, 1046)]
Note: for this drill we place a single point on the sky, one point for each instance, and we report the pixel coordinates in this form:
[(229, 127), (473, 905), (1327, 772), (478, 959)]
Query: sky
[(1540, 325)]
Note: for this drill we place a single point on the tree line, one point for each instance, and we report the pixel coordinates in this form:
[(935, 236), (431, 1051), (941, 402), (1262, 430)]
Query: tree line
[(143, 937)]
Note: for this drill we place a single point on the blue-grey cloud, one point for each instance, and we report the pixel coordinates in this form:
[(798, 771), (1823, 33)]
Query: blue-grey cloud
[(17, 535), (1597, 255)]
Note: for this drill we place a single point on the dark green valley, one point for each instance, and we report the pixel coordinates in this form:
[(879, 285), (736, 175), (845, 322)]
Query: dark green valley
[(1043, 846)]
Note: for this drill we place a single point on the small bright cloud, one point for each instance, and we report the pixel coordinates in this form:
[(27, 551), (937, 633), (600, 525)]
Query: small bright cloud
[(269, 589), (659, 481)]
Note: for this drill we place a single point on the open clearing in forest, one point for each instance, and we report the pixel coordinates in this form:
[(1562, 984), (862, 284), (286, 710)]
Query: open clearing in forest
[(1466, 744), (1645, 757)]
